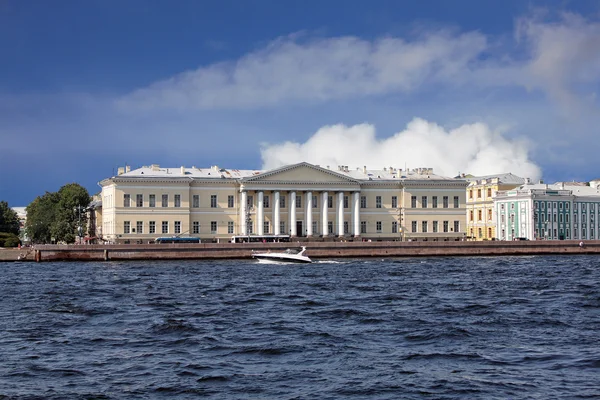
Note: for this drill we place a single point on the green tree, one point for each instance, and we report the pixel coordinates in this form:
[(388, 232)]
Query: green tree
[(9, 220), (54, 215)]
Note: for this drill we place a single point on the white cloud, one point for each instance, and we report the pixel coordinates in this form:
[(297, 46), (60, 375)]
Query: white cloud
[(318, 70), (472, 148)]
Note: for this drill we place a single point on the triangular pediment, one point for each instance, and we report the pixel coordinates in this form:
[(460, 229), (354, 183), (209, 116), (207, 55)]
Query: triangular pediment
[(301, 172)]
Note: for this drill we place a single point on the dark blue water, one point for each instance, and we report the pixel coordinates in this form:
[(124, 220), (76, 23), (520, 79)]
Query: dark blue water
[(440, 328)]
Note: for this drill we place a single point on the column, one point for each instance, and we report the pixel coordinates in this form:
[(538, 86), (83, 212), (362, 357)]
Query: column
[(243, 207), (340, 204), (293, 214), (308, 213), (276, 207), (356, 214), (260, 215), (324, 222)]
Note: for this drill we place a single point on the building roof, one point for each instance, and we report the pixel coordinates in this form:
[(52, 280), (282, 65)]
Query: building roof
[(386, 173), (506, 178)]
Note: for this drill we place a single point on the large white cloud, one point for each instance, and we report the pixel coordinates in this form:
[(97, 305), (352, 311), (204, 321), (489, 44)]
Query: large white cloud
[(472, 148)]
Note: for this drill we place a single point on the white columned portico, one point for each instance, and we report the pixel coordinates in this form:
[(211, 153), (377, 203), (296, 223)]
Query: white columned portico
[(340, 204), (276, 224), (324, 222), (308, 214), (243, 211), (293, 214), (260, 216), (356, 214)]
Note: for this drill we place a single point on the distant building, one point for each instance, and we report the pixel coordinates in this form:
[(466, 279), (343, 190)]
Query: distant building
[(550, 212), (481, 221), (300, 200)]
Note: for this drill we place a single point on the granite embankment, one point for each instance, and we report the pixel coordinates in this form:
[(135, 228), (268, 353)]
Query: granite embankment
[(314, 249)]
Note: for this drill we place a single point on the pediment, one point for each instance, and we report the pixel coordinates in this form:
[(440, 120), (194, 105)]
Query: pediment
[(300, 173)]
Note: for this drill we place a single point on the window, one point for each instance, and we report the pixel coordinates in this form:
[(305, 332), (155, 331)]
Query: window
[(126, 226), (152, 200), (394, 202), (445, 225), (177, 227), (315, 227), (560, 205), (229, 226), (177, 200), (471, 193), (213, 227), (435, 226), (330, 227), (345, 201), (479, 215), (139, 227), (266, 203), (314, 204), (479, 233), (378, 226), (512, 218), (424, 226), (445, 201), (329, 201), (489, 214), (346, 229), (196, 227), (471, 215), (152, 226), (230, 201), (456, 226), (363, 201), (489, 193), (502, 206), (126, 200), (377, 201), (363, 226), (566, 208), (560, 218), (434, 201), (455, 201), (413, 201), (478, 193), (139, 200), (423, 201), (213, 201), (165, 200), (250, 201), (503, 218), (489, 231), (282, 203), (266, 227), (196, 201), (281, 227), (165, 227), (394, 227), (413, 226), (298, 201)]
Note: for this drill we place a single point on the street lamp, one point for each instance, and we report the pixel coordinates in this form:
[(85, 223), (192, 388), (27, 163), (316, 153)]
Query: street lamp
[(79, 209)]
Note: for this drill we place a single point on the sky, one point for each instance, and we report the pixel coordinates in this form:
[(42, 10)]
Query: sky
[(464, 86)]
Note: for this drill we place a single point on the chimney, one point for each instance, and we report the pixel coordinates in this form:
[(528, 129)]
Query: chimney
[(120, 171), (364, 169), (127, 168), (182, 170), (155, 167)]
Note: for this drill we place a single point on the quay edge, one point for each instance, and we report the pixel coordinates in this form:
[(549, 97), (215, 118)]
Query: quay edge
[(316, 250)]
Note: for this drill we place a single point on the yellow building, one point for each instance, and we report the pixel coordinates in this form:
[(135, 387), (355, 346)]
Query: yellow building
[(299, 200), (481, 220)]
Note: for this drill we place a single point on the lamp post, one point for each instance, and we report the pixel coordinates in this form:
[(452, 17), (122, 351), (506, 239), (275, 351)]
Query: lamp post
[(79, 210)]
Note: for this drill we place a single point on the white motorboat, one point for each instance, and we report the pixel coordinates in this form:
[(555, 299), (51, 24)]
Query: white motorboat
[(287, 256)]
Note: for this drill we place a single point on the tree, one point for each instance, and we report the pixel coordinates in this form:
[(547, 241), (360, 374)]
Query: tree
[(9, 220), (54, 216)]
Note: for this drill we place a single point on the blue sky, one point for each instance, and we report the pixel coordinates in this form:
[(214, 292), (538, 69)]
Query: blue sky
[(461, 86)]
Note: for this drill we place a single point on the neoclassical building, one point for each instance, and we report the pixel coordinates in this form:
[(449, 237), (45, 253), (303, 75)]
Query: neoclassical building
[(562, 211), (481, 218), (299, 200)]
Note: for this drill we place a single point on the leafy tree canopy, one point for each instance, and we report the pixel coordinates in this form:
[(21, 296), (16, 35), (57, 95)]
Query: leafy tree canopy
[(9, 220), (54, 215)]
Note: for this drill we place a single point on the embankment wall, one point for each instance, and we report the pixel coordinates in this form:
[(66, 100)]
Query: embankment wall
[(314, 250)]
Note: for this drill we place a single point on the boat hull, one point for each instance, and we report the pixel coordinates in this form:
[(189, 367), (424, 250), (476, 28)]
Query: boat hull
[(271, 258)]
